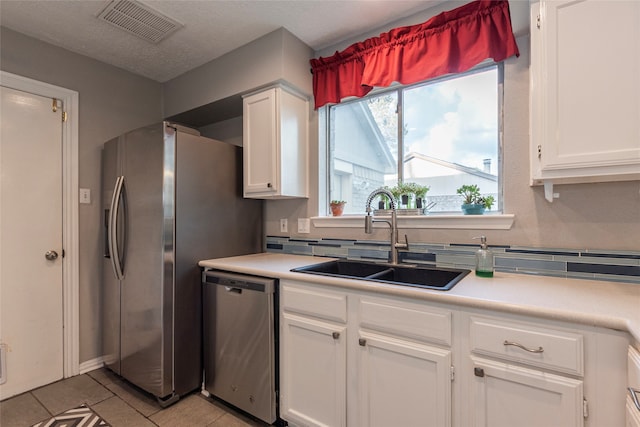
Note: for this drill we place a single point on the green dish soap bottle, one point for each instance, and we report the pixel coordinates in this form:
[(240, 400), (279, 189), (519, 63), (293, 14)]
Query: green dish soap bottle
[(484, 259)]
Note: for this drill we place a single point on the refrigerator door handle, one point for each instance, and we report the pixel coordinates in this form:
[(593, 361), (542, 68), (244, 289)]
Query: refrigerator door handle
[(116, 262)]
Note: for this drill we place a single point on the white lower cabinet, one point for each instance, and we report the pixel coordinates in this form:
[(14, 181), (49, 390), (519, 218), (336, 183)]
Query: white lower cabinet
[(312, 372), (351, 358), (534, 373), (313, 355), (534, 395), (633, 414), (377, 368), (505, 395), (403, 383), (633, 388)]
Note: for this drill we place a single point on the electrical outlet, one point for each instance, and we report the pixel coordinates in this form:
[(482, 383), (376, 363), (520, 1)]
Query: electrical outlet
[(304, 225), (284, 226)]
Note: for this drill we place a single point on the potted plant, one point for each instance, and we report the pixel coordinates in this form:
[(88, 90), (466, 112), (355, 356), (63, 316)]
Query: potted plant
[(384, 202), (397, 192), (420, 192), (337, 207), (473, 202), (403, 192), (409, 198)]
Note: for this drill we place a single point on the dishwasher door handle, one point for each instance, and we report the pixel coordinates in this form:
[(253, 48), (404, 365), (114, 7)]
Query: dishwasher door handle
[(233, 290)]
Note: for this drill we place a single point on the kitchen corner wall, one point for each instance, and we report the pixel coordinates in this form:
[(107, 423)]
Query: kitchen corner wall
[(111, 101)]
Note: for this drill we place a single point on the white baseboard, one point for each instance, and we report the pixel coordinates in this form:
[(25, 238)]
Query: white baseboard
[(91, 365)]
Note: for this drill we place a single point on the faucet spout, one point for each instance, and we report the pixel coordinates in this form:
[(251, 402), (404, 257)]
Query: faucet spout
[(393, 224)]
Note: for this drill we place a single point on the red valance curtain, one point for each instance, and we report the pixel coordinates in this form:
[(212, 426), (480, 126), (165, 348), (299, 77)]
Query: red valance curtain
[(450, 42)]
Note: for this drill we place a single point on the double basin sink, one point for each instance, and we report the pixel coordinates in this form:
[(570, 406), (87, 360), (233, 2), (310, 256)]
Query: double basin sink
[(438, 278)]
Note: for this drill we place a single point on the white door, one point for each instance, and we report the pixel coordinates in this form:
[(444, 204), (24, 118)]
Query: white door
[(585, 102), (507, 395), (313, 361), (403, 383), (260, 144), (31, 229)]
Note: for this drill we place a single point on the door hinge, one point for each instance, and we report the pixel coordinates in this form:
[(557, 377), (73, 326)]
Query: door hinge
[(538, 21), (64, 116), (453, 373), (539, 151), (585, 408)]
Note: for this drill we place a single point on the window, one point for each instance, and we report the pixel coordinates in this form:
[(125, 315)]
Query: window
[(445, 134)]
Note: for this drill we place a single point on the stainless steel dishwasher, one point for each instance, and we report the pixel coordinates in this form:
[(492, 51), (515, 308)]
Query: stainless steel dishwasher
[(239, 341)]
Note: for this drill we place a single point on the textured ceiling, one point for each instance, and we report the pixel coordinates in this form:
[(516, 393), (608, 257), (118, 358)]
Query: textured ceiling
[(212, 27)]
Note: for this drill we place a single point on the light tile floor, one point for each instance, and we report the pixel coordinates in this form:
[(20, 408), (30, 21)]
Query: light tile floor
[(118, 403)]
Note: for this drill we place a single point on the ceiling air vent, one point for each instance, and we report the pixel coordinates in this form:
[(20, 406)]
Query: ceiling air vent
[(139, 19)]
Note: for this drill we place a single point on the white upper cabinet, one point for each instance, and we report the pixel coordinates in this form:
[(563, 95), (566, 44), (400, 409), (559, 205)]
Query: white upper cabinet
[(585, 91), (275, 140)]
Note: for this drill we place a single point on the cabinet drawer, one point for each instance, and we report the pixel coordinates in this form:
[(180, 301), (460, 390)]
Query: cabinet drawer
[(530, 344), (406, 319), (314, 302)]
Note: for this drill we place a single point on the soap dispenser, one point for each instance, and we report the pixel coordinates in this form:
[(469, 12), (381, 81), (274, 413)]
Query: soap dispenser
[(484, 259)]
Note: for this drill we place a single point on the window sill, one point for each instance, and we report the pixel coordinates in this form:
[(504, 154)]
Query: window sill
[(459, 222)]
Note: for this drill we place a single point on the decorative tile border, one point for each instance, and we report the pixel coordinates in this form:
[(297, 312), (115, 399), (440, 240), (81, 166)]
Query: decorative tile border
[(615, 266)]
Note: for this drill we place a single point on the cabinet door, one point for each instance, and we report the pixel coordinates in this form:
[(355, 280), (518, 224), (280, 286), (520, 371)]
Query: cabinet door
[(633, 413), (585, 68), (633, 383), (260, 140), (507, 395), (312, 372), (403, 383)]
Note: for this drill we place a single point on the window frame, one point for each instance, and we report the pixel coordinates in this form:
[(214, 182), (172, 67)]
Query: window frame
[(399, 89)]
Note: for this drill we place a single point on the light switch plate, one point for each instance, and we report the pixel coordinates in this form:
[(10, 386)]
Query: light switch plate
[(85, 196), (283, 225), (304, 225)]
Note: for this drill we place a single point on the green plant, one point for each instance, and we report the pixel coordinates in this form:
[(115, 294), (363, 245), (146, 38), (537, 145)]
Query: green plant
[(419, 190), (405, 188), (471, 196), (486, 201), (396, 191), (408, 188), (469, 193), (337, 202)]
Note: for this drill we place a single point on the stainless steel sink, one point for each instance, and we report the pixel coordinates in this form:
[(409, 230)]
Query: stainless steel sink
[(438, 278)]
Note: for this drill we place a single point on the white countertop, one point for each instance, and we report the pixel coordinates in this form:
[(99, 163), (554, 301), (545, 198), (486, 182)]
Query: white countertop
[(596, 303)]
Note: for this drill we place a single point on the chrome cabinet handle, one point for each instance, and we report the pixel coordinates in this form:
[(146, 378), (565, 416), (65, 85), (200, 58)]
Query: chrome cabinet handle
[(530, 350), (362, 342), (335, 335), (51, 255), (634, 392)]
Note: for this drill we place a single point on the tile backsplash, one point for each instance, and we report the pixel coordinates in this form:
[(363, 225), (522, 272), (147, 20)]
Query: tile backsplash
[(617, 266)]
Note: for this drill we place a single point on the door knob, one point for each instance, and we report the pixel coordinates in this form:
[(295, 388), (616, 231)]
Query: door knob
[(51, 255)]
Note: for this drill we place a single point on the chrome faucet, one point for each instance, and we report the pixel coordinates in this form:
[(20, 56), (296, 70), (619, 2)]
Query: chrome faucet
[(368, 224)]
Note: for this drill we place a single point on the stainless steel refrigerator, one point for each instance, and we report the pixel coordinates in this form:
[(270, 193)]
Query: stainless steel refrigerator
[(170, 198)]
